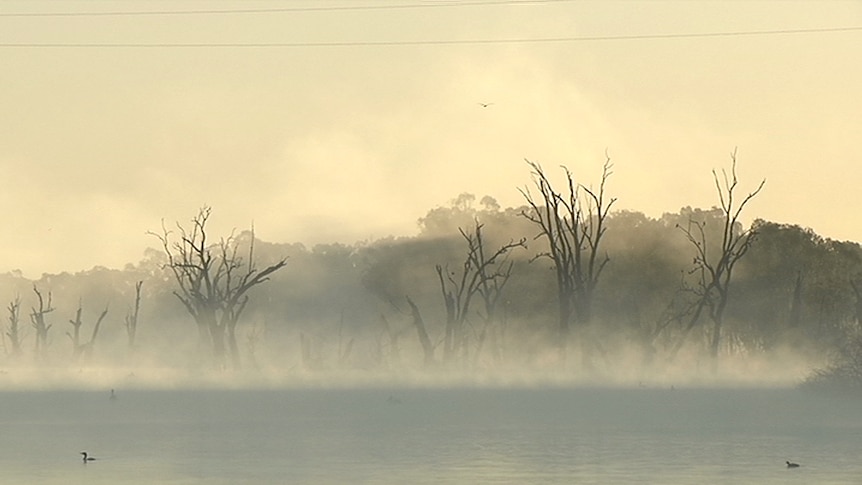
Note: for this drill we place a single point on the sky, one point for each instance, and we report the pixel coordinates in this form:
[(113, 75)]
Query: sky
[(326, 121)]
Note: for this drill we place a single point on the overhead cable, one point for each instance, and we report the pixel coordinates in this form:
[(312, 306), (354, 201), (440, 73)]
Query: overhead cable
[(429, 42), (319, 8)]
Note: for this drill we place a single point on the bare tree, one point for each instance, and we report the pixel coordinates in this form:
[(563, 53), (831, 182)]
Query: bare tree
[(132, 316), (75, 336), (213, 281), (483, 274), (87, 348), (84, 349), (714, 260), (674, 313), (37, 319), (573, 224), (393, 336), (427, 347), (14, 329)]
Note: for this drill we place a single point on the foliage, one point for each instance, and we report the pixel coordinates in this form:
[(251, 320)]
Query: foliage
[(794, 289)]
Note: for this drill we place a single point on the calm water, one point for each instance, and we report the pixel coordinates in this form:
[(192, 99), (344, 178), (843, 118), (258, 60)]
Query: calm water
[(413, 436)]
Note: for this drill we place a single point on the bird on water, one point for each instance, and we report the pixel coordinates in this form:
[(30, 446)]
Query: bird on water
[(792, 465), (86, 457)]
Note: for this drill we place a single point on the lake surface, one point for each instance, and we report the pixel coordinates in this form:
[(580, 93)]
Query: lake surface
[(409, 436)]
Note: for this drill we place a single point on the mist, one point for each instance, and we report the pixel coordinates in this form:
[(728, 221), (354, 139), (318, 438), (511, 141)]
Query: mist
[(337, 315), (394, 285)]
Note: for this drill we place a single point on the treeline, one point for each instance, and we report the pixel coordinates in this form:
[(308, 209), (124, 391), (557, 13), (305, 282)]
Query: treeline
[(400, 302)]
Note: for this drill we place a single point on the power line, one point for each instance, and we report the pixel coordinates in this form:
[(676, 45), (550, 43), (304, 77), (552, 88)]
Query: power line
[(432, 42), (333, 8)]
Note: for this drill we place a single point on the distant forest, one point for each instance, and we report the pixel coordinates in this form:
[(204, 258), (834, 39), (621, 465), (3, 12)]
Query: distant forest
[(476, 289)]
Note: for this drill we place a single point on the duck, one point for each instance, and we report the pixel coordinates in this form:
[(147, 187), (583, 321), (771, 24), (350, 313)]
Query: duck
[(792, 465), (86, 457)]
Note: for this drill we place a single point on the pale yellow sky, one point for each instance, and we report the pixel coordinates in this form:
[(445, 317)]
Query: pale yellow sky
[(353, 142)]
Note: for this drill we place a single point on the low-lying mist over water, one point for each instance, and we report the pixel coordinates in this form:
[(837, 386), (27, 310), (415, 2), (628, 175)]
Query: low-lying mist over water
[(253, 362), (777, 371), (395, 312), (430, 242)]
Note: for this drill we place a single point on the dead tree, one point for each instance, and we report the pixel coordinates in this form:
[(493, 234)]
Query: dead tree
[(715, 257), (394, 348), (213, 281), (75, 336), (573, 225), (14, 330), (454, 305), (427, 347), (87, 350), (481, 274), (132, 316), (37, 319), (84, 349), (679, 310), (234, 278), (494, 272)]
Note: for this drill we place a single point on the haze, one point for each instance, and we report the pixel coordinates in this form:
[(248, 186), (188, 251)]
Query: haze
[(353, 142)]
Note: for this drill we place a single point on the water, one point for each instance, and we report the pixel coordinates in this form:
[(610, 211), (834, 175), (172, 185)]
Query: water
[(409, 436)]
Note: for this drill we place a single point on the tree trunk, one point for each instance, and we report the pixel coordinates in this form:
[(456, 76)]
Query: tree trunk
[(233, 347), (213, 333), (564, 335), (217, 335), (394, 351), (427, 347), (716, 340), (718, 321), (204, 335)]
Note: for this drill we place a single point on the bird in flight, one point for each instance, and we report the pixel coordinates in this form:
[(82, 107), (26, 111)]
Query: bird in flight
[(485, 105)]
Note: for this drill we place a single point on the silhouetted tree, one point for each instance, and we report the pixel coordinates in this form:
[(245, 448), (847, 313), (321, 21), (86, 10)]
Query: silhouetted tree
[(713, 270), (213, 281), (85, 349), (132, 316), (394, 347), (573, 224), (14, 330), (424, 340), (37, 319), (483, 273)]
